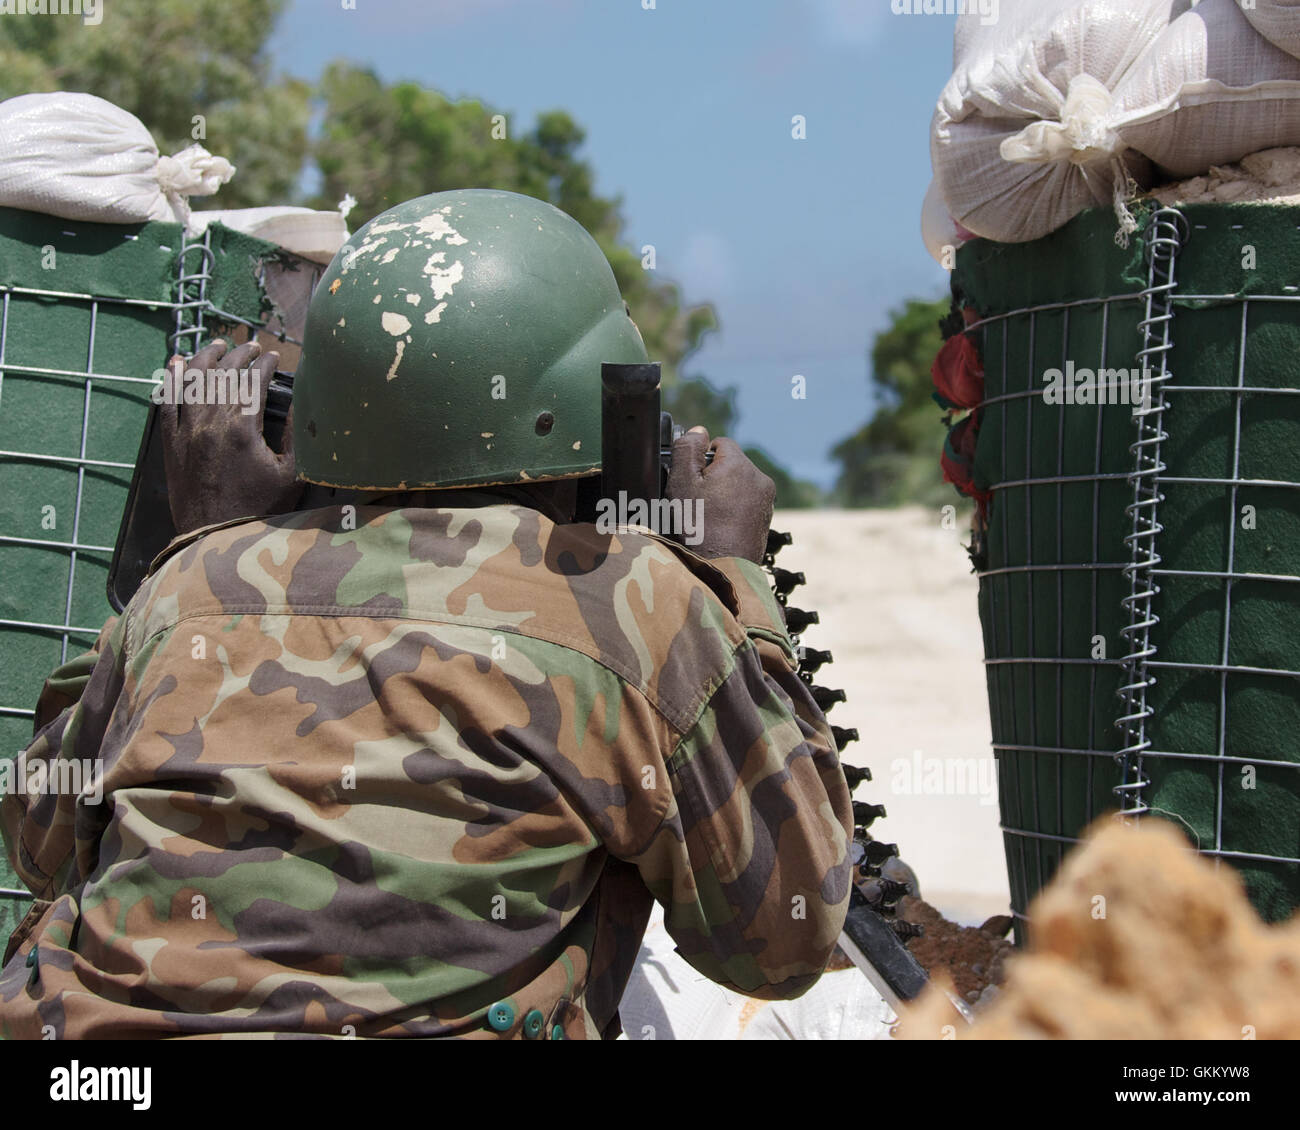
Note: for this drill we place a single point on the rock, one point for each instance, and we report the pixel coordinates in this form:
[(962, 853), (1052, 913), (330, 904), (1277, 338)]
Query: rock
[(999, 926)]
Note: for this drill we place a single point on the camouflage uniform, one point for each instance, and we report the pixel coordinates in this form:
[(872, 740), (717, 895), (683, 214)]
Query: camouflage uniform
[(420, 772)]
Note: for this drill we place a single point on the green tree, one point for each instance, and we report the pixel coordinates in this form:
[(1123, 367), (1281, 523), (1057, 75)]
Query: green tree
[(894, 458), (172, 61)]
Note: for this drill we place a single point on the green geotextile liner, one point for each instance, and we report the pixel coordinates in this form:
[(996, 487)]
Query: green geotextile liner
[(1032, 610), (42, 414)]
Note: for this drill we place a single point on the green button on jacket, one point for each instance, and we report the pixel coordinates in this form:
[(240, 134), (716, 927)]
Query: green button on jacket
[(501, 1016)]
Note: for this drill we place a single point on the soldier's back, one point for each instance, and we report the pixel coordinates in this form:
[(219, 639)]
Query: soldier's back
[(362, 769)]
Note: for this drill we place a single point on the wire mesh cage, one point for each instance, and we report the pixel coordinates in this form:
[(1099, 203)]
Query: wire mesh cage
[(88, 312), (1139, 596)]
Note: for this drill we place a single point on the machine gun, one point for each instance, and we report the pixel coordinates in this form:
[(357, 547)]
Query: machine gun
[(637, 451)]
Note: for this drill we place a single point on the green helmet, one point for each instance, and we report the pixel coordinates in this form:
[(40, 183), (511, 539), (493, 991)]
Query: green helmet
[(457, 340)]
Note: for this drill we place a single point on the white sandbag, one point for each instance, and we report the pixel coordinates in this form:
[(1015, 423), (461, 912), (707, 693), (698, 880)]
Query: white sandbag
[(1022, 138), (1209, 91), (81, 158), (303, 231), (1278, 21)]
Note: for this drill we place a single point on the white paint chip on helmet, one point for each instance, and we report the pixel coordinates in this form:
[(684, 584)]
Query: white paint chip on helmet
[(395, 324)]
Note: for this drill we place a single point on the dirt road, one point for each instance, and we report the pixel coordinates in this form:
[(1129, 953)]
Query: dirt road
[(898, 609)]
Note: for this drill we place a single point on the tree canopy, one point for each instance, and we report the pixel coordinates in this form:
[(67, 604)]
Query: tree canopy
[(200, 70), (894, 458)]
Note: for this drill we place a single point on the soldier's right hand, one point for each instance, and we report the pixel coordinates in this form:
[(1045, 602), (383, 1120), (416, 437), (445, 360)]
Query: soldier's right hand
[(737, 497)]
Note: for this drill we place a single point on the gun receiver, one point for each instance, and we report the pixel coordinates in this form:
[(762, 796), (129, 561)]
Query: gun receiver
[(631, 432)]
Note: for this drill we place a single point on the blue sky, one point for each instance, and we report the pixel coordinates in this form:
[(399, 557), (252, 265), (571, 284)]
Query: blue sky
[(803, 246)]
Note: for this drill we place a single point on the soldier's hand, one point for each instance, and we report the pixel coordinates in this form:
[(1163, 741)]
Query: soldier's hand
[(736, 496), (219, 466)]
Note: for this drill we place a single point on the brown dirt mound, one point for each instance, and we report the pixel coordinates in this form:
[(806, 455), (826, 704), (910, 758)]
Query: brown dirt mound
[(973, 958), (1139, 938)]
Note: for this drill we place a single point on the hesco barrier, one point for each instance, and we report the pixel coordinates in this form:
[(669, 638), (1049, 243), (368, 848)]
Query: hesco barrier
[(1140, 571), (88, 312)]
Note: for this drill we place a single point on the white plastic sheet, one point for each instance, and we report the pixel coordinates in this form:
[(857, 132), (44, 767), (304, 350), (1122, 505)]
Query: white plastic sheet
[(941, 233), (668, 1000), (311, 234)]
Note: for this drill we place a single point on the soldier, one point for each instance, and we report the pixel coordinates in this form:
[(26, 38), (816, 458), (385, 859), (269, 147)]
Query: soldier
[(414, 758)]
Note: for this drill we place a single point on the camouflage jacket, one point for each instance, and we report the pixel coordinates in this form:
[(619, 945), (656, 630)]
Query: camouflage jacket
[(420, 772)]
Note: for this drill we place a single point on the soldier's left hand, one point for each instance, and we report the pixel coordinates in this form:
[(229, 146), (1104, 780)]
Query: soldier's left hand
[(219, 465)]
